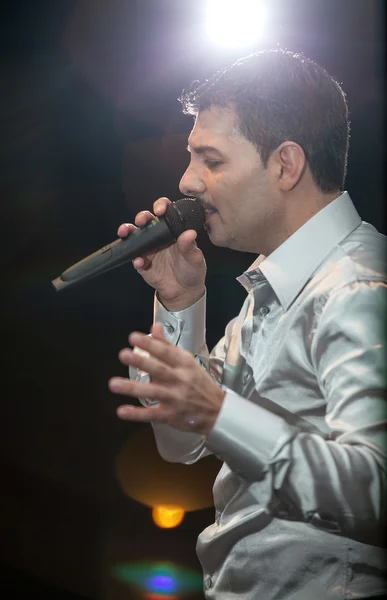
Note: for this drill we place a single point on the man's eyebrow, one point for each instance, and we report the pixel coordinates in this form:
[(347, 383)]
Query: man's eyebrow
[(202, 149)]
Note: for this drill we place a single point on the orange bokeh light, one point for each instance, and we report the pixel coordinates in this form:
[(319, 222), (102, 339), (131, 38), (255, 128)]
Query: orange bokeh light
[(167, 516)]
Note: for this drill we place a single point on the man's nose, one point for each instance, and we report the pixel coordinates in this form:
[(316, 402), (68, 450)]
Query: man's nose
[(191, 184)]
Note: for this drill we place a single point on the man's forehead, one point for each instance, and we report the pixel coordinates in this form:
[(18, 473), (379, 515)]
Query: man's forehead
[(214, 124), (215, 119)]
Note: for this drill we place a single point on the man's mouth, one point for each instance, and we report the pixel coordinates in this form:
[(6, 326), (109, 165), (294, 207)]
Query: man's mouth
[(209, 210), (209, 213)]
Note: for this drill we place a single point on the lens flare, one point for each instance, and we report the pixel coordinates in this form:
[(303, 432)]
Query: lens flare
[(159, 581), (160, 597)]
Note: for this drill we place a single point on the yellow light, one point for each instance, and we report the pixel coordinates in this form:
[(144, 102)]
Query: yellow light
[(156, 482), (167, 516)]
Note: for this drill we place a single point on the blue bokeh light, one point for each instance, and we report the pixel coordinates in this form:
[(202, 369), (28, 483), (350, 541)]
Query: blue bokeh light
[(161, 583), (159, 578)]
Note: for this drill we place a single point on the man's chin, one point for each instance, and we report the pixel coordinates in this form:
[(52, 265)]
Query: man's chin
[(215, 239), (227, 242)]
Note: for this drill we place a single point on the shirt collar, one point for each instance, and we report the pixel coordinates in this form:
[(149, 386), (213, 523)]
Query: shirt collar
[(291, 265)]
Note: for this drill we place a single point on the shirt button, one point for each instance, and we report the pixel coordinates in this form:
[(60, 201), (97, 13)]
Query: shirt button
[(264, 311), (170, 328), (207, 582)]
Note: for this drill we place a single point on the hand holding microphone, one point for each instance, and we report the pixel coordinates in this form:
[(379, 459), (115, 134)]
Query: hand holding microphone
[(176, 270)]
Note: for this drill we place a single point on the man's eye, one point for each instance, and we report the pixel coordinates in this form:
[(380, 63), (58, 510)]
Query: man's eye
[(212, 164)]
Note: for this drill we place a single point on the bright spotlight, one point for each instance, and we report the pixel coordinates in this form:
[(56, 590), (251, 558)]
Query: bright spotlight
[(235, 22)]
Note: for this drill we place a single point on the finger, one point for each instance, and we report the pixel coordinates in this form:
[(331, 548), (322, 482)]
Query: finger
[(143, 217), (186, 242), (161, 349), (128, 412), (161, 205), (142, 263), (137, 389), (123, 231), (139, 263), (157, 331), (125, 228), (158, 370)]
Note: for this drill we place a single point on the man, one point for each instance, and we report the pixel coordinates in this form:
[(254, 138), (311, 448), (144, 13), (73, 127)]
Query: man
[(292, 397)]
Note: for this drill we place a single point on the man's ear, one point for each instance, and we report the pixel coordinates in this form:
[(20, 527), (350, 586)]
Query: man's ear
[(290, 161)]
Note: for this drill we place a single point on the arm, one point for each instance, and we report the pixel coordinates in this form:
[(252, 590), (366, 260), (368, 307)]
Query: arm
[(340, 483), (178, 273), (185, 329)]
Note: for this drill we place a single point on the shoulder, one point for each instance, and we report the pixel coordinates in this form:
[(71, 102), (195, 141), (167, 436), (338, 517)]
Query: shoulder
[(359, 259), (350, 285)]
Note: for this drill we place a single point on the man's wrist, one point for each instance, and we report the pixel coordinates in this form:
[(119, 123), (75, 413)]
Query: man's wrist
[(182, 302), (210, 424)]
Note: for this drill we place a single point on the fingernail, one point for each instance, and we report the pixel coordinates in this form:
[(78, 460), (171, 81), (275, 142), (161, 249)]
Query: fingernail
[(123, 411), (134, 336), (116, 384), (126, 353)]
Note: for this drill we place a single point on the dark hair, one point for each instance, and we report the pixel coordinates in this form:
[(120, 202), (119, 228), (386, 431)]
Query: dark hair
[(278, 96)]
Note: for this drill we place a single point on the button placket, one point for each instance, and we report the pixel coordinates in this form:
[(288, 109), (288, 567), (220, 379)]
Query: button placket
[(245, 378), (169, 327)]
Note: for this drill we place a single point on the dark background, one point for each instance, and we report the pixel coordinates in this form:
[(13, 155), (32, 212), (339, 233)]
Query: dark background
[(92, 133)]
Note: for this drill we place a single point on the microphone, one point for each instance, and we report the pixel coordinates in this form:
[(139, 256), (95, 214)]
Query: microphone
[(186, 213)]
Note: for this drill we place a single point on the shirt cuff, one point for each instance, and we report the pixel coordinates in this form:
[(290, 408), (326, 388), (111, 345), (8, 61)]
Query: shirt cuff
[(185, 328), (248, 437)]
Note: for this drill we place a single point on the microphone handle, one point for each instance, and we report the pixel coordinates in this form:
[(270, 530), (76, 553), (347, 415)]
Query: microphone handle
[(144, 239)]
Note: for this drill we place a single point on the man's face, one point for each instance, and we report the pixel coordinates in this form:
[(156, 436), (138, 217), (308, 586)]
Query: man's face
[(227, 175)]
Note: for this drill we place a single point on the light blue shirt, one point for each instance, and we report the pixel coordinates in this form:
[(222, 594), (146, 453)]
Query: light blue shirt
[(300, 499)]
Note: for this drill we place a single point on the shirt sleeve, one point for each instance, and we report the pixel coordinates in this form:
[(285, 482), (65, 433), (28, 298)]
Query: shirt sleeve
[(185, 329), (338, 483)]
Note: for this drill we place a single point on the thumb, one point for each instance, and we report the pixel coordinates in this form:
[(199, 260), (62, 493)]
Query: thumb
[(186, 242)]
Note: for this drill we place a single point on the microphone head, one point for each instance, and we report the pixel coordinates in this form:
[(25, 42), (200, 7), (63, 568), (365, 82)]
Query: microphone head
[(186, 213)]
